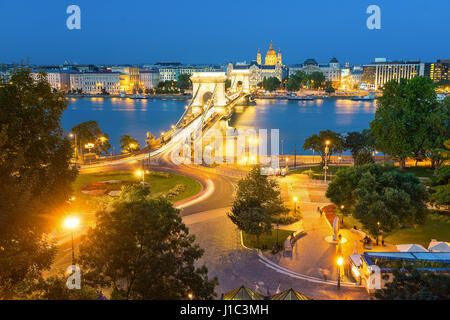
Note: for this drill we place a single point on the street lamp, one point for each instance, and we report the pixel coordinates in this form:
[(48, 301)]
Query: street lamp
[(89, 146), (142, 173), (72, 223), (295, 204), (74, 135), (339, 262), (327, 149), (378, 230)]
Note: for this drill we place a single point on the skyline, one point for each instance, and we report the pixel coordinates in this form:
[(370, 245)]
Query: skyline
[(111, 35)]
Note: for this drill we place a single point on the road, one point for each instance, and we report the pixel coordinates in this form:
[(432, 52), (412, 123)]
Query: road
[(225, 257)]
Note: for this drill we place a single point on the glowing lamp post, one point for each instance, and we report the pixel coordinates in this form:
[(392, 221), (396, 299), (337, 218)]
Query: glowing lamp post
[(72, 223), (89, 146), (327, 150), (295, 199), (339, 263), (142, 173)]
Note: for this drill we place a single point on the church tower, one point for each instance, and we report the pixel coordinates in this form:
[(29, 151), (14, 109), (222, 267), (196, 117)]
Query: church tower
[(258, 57), (279, 57), (271, 56)]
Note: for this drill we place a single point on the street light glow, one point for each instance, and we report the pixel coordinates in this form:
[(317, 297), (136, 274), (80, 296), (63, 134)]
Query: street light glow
[(71, 223), (340, 261), (327, 142), (295, 199)]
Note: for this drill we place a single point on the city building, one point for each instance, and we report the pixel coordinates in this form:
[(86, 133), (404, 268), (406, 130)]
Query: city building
[(96, 82), (149, 79), (376, 74), (351, 77), (331, 70), (257, 73), (5, 76), (172, 71), (438, 71), (271, 58), (58, 79)]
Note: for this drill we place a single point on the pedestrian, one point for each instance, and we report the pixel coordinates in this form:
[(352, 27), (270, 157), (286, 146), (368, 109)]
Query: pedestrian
[(321, 272), (318, 209)]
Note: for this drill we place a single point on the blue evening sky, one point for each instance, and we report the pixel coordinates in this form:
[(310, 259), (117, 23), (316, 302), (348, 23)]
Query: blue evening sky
[(218, 31)]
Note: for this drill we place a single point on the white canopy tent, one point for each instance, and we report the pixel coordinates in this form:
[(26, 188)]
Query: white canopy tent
[(411, 248), (439, 246)]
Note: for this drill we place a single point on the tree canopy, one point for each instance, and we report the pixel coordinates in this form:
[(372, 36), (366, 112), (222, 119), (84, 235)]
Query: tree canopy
[(128, 143), (317, 142), (35, 175), (356, 141), (379, 196), (90, 132), (440, 187), (142, 250), (316, 80), (184, 81), (271, 84), (257, 201), (410, 283), (409, 121)]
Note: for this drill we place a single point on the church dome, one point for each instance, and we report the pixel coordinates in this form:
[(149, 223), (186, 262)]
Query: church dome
[(334, 60), (310, 62)]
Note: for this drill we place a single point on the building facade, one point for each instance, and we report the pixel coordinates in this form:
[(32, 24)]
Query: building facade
[(149, 79), (95, 82), (331, 70), (171, 73), (439, 71), (376, 74), (271, 58)]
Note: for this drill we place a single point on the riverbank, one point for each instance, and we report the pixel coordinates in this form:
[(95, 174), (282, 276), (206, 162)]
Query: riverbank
[(152, 96)]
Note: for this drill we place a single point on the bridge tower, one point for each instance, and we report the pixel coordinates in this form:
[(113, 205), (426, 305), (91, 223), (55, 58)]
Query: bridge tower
[(206, 85), (240, 78)]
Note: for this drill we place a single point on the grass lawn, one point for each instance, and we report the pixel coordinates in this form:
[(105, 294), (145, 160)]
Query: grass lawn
[(265, 239), (317, 171), (420, 172), (160, 182), (436, 227)]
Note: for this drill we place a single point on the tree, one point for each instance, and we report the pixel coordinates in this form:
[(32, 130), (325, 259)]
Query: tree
[(102, 145), (184, 81), (409, 283), (318, 143), (363, 157), (55, 288), (271, 84), (141, 248), (90, 132), (409, 121), (317, 79), (354, 141), (35, 175), (379, 196), (128, 143), (292, 84), (440, 187), (329, 87), (253, 220), (257, 197)]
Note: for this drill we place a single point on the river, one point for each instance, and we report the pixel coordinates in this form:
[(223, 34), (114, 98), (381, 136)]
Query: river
[(296, 120)]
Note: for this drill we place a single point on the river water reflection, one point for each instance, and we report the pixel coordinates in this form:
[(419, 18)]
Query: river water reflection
[(296, 120)]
